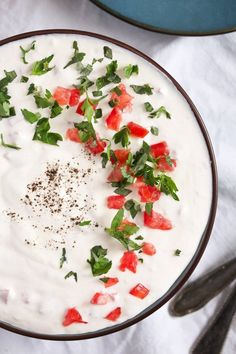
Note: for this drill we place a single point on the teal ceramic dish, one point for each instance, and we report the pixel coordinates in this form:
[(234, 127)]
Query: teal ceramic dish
[(181, 17)]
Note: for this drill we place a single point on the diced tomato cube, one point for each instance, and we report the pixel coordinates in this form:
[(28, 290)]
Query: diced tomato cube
[(100, 299), (121, 156), (79, 108), (156, 221), (114, 119), (129, 261), (159, 149), (165, 166), (96, 146), (114, 314), (74, 97), (72, 316), (139, 291), (73, 135), (124, 100), (137, 130), (116, 174), (115, 201), (109, 281), (149, 194), (148, 248), (62, 95)]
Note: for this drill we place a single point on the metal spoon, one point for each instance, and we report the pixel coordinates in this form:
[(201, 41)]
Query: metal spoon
[(195, 295), (211, 342)]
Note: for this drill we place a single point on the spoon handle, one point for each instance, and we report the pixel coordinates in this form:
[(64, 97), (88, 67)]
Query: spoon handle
[(199, 292), (213, 339)]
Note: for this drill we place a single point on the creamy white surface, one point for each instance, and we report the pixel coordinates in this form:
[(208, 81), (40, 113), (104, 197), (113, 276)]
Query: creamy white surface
[(32, 272)]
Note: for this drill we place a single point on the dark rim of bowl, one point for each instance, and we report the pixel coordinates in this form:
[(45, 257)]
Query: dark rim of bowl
[(159, 29), (206, 234)]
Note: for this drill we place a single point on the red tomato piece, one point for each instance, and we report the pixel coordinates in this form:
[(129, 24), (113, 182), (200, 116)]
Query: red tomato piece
[(114, 314), (115, 201), (114, 119), (164, 166), (74, 97), (96, 146), (121, 155), (124, 100), (100, 299), (129, 261), (156, 221), (79, 108), (148, 248), (62, 95), (139, 182), (137, 130), (139, 291), (73, 135), (72, 316), (149, 194), (159, 149), (110, 282), (116, 174)]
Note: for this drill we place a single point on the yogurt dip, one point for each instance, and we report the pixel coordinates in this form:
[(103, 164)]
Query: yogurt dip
[(57, 201)]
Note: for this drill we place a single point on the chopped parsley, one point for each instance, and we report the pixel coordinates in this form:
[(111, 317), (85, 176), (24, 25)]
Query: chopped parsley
[(97, 93), (11, 146), (84, 84), (117, 90), (154, 130), (43, 134), (63, 258), (24, 79), (148, 107), (107, 52), (85, 70), (157, 113), (30, 116), (43, 101), (167, 185), (133, 207), (97, 60), (148, 208), (142, 90), (25, 51), (140, 238), (71, 274), (6, 110), (110, 76), (97, 114), (122, 191), (42, 67), (55, 110), (130, 70), (77, 56), (85, 223), (122, 137), (113, 103), (31, 89), (177, 252), (98, 262), (86, 131)]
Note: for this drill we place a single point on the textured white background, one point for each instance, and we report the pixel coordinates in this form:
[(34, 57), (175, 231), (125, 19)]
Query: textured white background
[(206, 68)]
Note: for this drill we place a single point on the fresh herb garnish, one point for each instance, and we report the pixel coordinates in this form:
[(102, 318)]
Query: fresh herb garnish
[(167, 185), (30, 116), (142, 90), (177, 252), (43, 101), (85, 222), (97, 114), (43, 134), (24, 79), (110, 76), (31, 89), (130, 70), (107, 52), (77, 56), (55, 110), (97, 60), (141, 260), (98, 262), (97, 93), (11, 146), (63, 258), (113, 103), (6, 110), (139, 238), (154, 130), (157, 113), (122, 191), (133, 207), (70, 274), (104, 279), (84, 84), (85, 70), (25, 51), (41, 67), (148, 208), (86, 131), (122, 137), (117, 90), (9, 77), (148, 107)]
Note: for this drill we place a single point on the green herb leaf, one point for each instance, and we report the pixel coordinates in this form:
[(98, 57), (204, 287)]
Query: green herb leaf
[(70, 274), (142, 90), (24, 79), (167, 185), (55, 110), (113, 103), (63, 258), (41, 67), (148, 107), (139, 238), (30, 116), (104, 279), (97, 114), (84, 84), (97, 93), (25, 51), (85, 70), (141, 260), (11, 146), (9, 77), (148, 208), (157, 113), (86, 131), (177, 252), (107, 52), (130, 70), (97, 60), (133, 207), (110, 76), (98, 262), (85, 223), (6, 110), (77, 57), (122, 191), (116, 221), (154, 131), (122, 137), (117, 90), (31, 89), (123, 237), (42, 133)]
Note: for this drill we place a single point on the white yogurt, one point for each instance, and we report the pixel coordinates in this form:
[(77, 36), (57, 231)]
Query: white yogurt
[(33, 292)]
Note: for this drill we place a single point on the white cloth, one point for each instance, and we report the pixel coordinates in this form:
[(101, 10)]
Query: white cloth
[(205, 67)]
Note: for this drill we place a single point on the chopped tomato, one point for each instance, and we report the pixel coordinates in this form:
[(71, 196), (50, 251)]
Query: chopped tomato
[(156, 221), (124, 100), (121, 156), (159, 149), (72, 316), (139, 291), (139, 182), (110, 281), (115, 201), (73, 135), (124, 223), (74, 97), (79, 108), (137, 130), (114, 314), (100, 299), (114, 119), (96, 146), (116, 174), (62, 95), (148, 248), (129, 261), (165, 166), (149, 194)]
